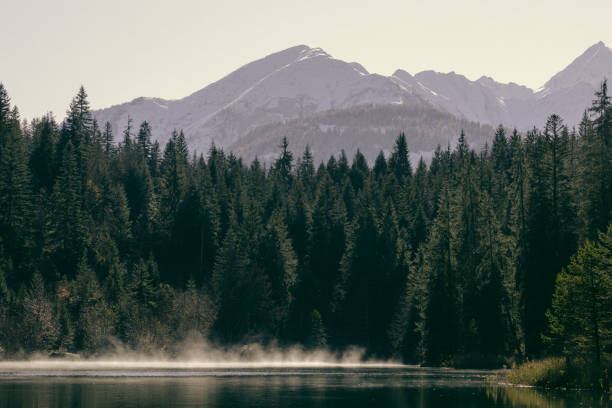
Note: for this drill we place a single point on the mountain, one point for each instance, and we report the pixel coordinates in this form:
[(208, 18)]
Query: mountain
[(306, 90), (567, 93), (484, 100), (570, 91), (589, 68), (294, 83)]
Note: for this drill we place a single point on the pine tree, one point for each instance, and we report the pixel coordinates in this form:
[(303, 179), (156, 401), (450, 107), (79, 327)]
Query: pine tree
[(283, 165), (174, 176), (495, 285), (37, 323), (562, 212), (597, 163), (195, 312), (15, 195), (407, 331), (342, 169), (5, 108), (127, 133), (67, 233), (517, 194), (353, 290), (359, 171), (329, 236), (580, 318), (65, 341), (539, 272), (79, 120), (107, 137), (501, 163), (278, 262), (41, 160), (380, 165), (235, 295), (144, 138), (420, 199), (139, 188), (306, 170), (78, 130), (93, 324), (399, 162), (465, 210), (443, 311)]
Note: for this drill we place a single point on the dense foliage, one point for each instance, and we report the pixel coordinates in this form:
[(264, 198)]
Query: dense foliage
[(581, 314), (107, 238)]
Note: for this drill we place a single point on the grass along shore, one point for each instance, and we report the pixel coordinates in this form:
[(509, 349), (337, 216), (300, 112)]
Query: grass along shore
[(559, 372)]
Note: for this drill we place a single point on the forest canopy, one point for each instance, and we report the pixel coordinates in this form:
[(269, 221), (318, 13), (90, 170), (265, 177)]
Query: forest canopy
[(109, 237)]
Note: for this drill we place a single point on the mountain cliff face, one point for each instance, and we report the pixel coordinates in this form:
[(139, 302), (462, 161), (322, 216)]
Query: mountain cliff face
[(301, 89)]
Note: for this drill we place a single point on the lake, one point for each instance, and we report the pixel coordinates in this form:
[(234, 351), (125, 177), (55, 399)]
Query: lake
[(275, 386)]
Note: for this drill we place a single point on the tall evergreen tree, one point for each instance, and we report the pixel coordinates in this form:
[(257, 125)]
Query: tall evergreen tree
[(443, 311), (67, 233), (15, 195), (399, 162), (581, 315), (597, 161)]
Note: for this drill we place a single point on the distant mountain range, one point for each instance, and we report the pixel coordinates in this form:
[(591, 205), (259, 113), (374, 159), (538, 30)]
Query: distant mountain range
[(312, 98)]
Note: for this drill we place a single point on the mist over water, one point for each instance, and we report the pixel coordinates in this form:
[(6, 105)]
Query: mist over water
[(198, 356), (197, 373)]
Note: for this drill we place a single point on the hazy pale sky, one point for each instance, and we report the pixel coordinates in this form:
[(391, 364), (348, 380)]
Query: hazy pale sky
[(122, 49)]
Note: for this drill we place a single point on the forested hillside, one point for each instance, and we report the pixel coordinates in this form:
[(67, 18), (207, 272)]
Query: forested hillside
[(107, 237), (368, 129)]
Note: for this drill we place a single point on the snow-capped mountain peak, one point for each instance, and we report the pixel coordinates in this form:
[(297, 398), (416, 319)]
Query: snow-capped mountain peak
[(301, 85), (313, 52), (590, 68), (293, 83)]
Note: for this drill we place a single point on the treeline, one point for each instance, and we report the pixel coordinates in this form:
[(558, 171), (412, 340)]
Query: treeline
[(451, 263)]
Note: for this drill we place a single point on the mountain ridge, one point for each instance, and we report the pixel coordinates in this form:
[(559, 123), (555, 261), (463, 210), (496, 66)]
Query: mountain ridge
[(301, 82)]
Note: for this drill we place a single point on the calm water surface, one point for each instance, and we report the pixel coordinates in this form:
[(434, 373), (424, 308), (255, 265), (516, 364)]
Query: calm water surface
[(277, 387)]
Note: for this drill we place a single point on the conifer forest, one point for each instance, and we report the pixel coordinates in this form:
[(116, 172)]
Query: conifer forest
[(484, 256)]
